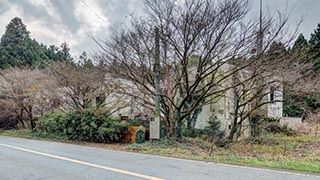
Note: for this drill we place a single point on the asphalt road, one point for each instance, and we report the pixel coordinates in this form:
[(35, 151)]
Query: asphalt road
[(37, 160)]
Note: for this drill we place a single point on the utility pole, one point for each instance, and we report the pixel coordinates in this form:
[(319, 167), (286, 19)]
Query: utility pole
[(259, 47), (260, 33), (155, 123)]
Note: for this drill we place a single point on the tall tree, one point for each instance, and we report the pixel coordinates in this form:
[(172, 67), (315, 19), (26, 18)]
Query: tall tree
[(13, 42), (25, 93), (18, 49), (215, 32), (276, 50), (292, 101), (65, 52), (16, 32), (300, 44), (314, 45)]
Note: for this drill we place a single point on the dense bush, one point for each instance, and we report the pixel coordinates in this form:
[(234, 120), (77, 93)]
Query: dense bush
[(193, 132), (213, 132), (280, 129), (258, 124), (8, 122), (140, 135), (83, 126), (138, 122)]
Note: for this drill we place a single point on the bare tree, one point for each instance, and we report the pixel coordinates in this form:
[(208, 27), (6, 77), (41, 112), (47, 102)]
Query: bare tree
[(84, 85), (198, 38), (304, 83), (25, 93)]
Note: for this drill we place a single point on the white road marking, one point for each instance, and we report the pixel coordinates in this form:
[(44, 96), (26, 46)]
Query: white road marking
[(219, 164), (84, 163), (193, 161)]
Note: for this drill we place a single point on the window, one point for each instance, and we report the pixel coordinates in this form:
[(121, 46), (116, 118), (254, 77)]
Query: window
[(212, 108), (272, 89)]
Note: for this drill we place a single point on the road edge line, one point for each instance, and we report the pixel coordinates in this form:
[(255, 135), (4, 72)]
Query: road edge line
[(84, 163)]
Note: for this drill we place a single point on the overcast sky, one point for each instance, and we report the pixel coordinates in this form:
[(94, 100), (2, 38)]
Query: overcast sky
[(74, 21)]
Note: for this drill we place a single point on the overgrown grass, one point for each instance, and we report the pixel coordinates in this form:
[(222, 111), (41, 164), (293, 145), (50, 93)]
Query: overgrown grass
[(32, 135), (300, 153)]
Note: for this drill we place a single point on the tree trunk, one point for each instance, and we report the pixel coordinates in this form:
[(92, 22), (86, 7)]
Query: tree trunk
[(20, 118), (32, 123), (189, 126), (233, 130), (178, 125), (316, 131)]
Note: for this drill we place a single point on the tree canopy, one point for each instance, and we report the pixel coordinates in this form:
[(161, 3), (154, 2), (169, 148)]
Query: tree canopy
[(17, 48), (314, 45)]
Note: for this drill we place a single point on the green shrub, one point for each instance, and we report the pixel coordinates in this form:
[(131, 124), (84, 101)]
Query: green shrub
[(140, 135), (259, 123), (280, 129), (138, 122), (213, 132), (193, 133), (84, 126)]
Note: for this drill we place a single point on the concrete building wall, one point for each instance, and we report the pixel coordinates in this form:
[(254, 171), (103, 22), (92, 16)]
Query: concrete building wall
[(220, 109), (223, 108), (275, 110)]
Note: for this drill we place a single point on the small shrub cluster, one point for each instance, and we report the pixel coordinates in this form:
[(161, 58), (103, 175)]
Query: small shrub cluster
[(193, 133), (8, 123), (280, 129), (83, 126), (259, 123), (213, 132), (140, 135)]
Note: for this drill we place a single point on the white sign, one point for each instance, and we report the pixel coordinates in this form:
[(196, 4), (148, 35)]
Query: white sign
[(155, 128)]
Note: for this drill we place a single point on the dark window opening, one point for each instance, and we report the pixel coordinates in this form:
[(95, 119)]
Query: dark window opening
[(271, 93)]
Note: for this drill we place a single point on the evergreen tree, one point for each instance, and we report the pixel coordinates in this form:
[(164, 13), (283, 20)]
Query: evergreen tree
[(13, 42), (304, 52), (301, 44), (16, 32), (65, 55), (18, 49), (314, 48), (299, 50), (277, 50)]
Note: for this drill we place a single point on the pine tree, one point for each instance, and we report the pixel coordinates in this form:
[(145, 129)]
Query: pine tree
[(304, 52), (299, 51), (301, 44), (277, 50), (12, 43), (65, 52), (16, 32), (18, 49), (314, 48)]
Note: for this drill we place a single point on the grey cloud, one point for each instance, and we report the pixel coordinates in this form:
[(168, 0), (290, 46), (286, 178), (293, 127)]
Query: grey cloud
[(298, 9), (38, 12), (66, 12), (64, 9), (120, 10), (4, 6), (117, 13)]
